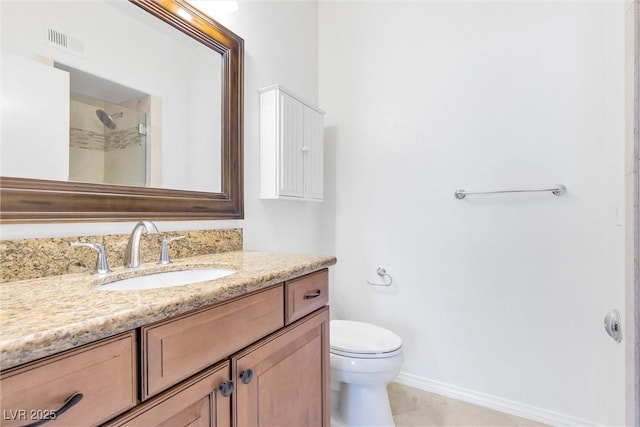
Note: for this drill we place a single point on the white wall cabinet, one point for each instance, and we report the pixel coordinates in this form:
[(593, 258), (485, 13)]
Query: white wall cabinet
[(291, 147)]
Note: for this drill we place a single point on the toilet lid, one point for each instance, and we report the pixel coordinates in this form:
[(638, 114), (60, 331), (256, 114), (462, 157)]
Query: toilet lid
[(362, 338)]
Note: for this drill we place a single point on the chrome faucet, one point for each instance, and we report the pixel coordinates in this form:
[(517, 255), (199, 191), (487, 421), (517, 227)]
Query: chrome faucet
[(132, 255)]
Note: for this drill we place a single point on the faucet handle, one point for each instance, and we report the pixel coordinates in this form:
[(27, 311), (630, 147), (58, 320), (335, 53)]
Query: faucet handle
[(164, 252), (102, 266)]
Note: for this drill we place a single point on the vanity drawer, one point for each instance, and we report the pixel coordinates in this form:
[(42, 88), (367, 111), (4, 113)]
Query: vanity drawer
[(178, 348), (104, 373), (306, 294)]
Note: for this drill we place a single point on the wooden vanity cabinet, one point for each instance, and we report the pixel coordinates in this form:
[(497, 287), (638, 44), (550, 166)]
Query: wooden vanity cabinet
[(177, 348), (101, 376), (280, 374), (306, 294), (283, 380), (197, 402), (257, 360)]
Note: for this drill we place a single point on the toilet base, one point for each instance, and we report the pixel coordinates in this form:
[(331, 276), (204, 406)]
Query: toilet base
[(362, 406)]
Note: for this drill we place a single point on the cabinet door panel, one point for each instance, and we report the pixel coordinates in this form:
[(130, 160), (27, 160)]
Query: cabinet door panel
[(290, 383), (313, 154), (291, 155), (195, 403)]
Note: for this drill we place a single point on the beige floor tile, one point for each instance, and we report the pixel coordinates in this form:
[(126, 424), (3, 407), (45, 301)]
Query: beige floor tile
[(417, 408)]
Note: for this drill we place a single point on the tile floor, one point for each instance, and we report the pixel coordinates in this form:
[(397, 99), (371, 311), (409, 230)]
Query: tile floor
[(418, 408)]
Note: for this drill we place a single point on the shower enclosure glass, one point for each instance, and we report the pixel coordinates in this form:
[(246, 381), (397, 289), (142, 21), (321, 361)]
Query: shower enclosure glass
[(107, 142)]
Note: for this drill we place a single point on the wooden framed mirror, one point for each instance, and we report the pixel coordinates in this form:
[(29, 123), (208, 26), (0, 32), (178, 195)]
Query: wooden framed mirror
[(33, 200)]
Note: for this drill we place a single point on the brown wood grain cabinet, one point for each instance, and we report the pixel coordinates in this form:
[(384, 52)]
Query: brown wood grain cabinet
[(175, 349), (103, 373), (306, 294), (197, 402), (284, 379), (257, 360)]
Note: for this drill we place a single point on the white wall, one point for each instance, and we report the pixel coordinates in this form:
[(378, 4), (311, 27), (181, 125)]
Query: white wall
[(498, 299)]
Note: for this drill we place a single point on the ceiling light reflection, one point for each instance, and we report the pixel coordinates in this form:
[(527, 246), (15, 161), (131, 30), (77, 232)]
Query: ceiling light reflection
[(216, 9)]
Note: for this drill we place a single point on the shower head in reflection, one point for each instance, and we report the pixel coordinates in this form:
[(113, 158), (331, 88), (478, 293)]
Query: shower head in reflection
[(106, 119)]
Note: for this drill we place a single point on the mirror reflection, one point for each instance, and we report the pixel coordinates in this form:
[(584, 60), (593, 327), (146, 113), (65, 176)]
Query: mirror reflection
[(107, 143), (103, 92)]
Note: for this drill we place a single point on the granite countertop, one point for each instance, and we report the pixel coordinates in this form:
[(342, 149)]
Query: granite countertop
[(40, 317)]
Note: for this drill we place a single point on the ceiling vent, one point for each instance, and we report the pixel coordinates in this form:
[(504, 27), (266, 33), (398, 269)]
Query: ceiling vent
[(64, 41)]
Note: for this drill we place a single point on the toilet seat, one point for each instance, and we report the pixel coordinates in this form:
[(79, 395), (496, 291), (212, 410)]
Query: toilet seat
[(362, 340), (366, 355)]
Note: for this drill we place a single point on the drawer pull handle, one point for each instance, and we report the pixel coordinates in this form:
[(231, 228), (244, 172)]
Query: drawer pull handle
[(246, 376), (316, 294), (226, 388), (71, 401)]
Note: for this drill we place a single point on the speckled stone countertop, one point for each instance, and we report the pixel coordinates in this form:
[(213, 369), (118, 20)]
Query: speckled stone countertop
[(40, 317), (24, 259)]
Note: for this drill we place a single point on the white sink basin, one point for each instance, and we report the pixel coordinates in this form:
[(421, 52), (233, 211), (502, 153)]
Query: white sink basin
[(165, 279)]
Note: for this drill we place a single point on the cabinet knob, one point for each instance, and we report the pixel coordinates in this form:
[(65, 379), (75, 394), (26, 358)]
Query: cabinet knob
[(246, 376), (226, 388), (305, 149)]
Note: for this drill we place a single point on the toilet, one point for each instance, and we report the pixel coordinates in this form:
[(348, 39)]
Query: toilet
[(364, 358)]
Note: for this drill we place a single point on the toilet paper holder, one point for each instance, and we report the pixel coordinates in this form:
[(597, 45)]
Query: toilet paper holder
[(387, 280)]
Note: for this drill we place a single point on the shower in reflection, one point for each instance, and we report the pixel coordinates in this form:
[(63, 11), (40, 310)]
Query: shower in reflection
[(108, 142), (106, 119)]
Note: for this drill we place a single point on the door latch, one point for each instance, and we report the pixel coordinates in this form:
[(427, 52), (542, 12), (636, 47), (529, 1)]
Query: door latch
[(613, 325)]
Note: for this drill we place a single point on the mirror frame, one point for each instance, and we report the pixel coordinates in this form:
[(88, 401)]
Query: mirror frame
[(24, 200)]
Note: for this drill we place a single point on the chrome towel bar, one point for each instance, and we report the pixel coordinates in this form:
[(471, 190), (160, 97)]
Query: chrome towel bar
[(558, 190)]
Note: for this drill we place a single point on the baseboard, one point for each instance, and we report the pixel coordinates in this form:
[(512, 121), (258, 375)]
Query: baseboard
[(488, 401)]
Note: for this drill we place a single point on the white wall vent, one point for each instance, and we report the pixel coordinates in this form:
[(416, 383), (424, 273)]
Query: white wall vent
[(64, 41)]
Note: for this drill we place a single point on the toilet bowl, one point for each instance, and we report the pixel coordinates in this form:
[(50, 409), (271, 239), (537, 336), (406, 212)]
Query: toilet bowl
[(364, 358)]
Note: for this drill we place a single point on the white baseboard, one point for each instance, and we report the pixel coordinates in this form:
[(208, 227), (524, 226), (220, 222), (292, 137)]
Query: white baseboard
[(488, 401)]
